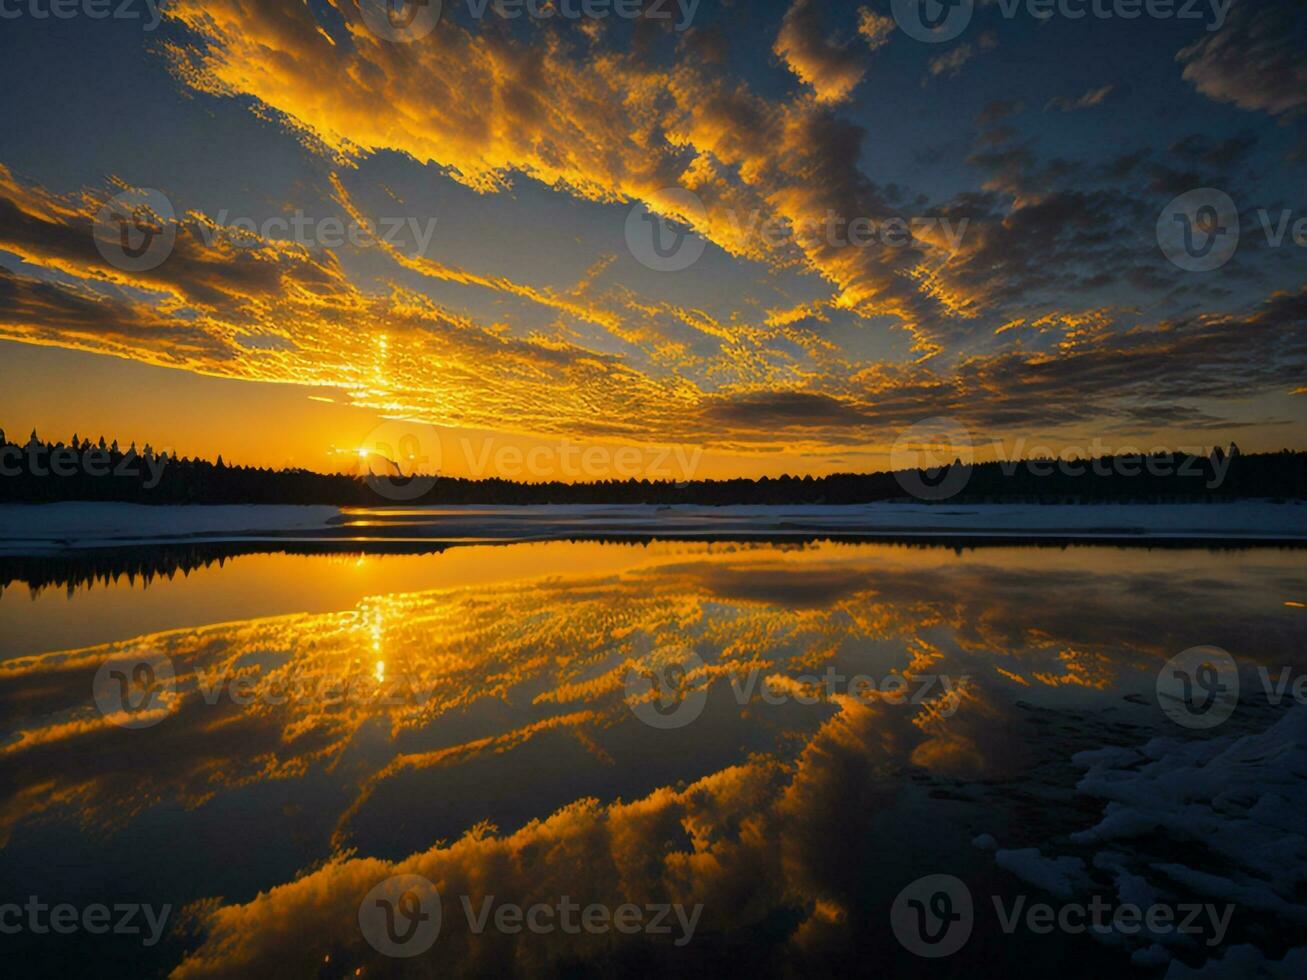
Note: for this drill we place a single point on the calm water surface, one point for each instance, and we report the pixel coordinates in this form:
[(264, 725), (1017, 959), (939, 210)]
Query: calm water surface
[(667, 723)]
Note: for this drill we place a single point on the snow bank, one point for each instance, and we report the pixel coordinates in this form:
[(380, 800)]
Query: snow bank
[(89, 524), (1216, 820)]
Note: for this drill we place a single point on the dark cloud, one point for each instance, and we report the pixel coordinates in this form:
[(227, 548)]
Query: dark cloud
[(997, 111), (764, 410), (1256, 60), (1222, 155)]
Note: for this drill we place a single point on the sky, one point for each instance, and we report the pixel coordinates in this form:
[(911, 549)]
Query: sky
[(677, 240)]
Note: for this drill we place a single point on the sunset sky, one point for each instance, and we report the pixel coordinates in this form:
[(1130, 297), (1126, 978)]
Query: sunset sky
[(506, 166)]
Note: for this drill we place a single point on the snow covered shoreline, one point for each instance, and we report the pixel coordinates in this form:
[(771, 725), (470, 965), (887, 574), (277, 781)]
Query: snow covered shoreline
[(26, 528)]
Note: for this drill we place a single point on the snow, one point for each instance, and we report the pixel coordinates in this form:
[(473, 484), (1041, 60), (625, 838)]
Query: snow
[(44, 526), (1244, 963), (1215, 820), (1233, 803), (89, 524), (1060, 876)]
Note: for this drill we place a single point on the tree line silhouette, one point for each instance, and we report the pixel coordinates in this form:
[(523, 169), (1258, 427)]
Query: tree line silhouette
[(41, 471)]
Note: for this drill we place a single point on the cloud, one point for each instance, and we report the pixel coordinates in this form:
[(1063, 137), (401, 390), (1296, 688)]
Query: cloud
[(997, 111), (767, 410), (288, 313), (951, 62), (876, 29), (1221, 156), (1255, 61), (1094, 97), (1038, 244), (610, 128), (832, 69)]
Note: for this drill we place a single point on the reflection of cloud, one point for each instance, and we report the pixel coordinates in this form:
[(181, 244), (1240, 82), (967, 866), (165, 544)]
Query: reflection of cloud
[(745, 843), (686, 846), (530, 658), (558, 650)]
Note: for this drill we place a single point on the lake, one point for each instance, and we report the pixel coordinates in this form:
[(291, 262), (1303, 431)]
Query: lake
[(653, 758)]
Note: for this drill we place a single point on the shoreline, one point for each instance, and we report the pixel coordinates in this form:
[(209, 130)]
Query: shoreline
[(70, 526)]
